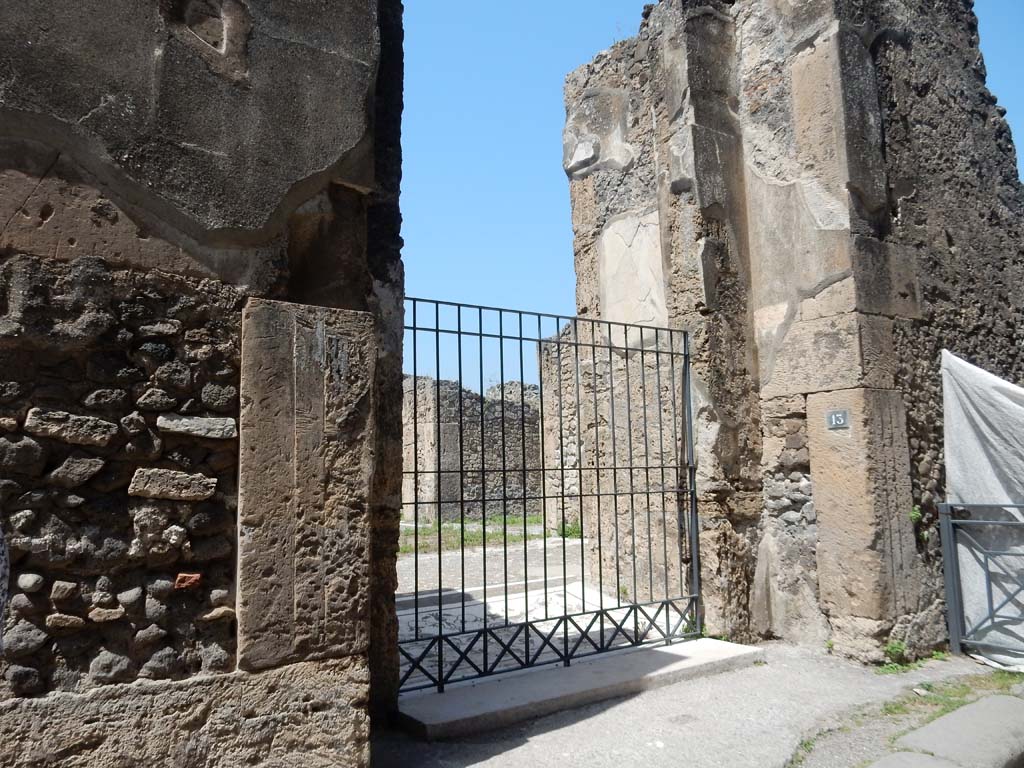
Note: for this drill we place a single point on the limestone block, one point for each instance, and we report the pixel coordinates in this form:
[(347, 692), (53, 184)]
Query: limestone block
[(699, 160), (800, 246), (311, 714), (882, 280), (306, 457), (887, 278), (867, 558), (829, 353), (170, 484), (214, 428), (76, 430), (838, 118), (631, 273), (595, 133), (697, 61), (784, 598)]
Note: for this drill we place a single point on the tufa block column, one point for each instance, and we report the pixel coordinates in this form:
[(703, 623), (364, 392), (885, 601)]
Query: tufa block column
[(306, 459)]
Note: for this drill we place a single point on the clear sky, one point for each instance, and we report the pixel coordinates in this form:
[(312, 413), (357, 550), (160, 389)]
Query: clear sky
[(484, 198)]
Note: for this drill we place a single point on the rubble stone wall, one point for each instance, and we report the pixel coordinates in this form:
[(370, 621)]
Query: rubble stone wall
[(957, 203), (119, 458), (462, 463)]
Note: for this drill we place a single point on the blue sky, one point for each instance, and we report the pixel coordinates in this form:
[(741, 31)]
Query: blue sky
[(484, 197)]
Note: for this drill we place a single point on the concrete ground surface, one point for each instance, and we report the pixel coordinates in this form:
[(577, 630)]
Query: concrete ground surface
[(759, 717)]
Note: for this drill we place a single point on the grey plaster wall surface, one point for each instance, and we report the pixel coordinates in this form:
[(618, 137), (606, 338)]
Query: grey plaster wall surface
[(202, 99)]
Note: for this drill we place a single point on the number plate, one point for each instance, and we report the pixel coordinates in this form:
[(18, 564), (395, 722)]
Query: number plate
[(838, 419)]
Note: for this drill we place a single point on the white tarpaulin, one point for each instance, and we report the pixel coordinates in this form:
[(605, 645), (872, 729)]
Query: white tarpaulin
[(984, 447)]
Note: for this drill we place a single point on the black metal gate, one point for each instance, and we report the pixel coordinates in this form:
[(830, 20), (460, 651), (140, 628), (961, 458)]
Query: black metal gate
[(983, 564), (549, 510)]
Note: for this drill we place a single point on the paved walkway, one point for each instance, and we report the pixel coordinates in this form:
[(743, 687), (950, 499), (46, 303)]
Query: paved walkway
[(751, 718)]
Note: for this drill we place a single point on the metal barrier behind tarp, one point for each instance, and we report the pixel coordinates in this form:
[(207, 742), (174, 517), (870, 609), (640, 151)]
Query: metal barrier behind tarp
[(983, 554)]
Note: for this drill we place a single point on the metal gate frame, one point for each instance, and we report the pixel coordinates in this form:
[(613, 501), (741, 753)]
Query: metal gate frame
[(434, 659), (967, 523)]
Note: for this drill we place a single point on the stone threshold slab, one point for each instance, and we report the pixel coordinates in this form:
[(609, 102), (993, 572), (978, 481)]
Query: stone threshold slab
[(483, 705)]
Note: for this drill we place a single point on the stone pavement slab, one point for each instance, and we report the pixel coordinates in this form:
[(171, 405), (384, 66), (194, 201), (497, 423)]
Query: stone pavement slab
[(986, 734), (755, 717), (913, 760), (508, 699)]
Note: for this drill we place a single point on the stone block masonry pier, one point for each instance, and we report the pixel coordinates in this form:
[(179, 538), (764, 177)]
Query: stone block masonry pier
[(823, 194), (200, 380)]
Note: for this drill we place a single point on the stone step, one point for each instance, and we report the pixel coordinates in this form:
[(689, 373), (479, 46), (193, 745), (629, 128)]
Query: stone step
[(497, 702)]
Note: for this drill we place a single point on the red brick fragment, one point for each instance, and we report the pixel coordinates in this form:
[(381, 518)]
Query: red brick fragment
[(188, 580)]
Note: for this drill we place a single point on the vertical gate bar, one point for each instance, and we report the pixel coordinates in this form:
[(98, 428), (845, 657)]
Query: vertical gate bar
[(953, 610), (561, 493), (462, 473), (415, 482), (691, 471), (615, 462), (440, 580), (961, 616), (543, 461), (658, 356), (504, 452), (990, 597), (579, 458), (647, 466), (677, 449), (483, 477), (526, 483), (597, 477), (632, 499)]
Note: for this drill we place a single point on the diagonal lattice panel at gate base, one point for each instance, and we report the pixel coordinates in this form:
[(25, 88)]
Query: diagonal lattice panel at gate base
[(549, 510)]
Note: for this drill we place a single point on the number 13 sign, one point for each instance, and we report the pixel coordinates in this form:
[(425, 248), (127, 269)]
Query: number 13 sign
[(838, 419)]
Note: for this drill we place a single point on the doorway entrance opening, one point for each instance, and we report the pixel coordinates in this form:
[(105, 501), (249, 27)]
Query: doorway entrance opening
[(549, 510)]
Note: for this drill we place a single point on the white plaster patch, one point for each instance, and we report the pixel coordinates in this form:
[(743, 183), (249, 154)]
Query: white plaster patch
[(632, 275), (767, 320)]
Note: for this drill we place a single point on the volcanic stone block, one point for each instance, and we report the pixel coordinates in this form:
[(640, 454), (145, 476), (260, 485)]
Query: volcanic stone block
[(214, 428), (305, 470), (22, 455), (866, 546), (169, 484), (77, 430), (77, 469)]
